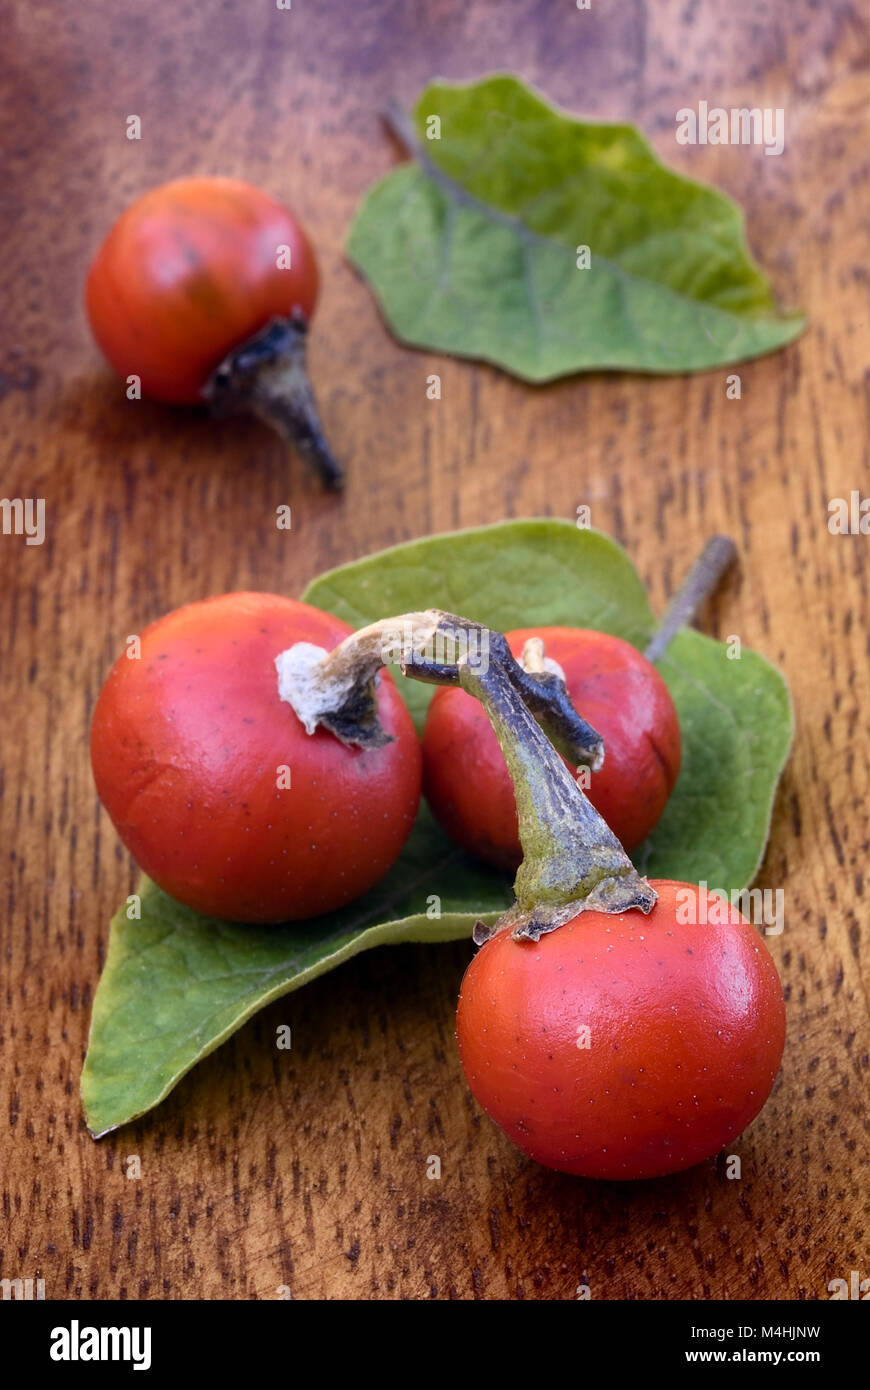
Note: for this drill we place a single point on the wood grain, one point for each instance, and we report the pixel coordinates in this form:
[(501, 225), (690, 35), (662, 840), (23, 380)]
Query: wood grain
[(307, 1169)]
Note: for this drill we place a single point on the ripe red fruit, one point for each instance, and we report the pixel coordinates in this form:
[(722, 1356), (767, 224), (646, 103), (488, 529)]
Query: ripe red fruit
[(686, 1031), (188, 273), (187, 744), (614, 687)]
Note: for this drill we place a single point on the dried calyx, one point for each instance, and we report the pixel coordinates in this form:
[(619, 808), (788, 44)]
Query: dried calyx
[(267, 377), (572, 860)]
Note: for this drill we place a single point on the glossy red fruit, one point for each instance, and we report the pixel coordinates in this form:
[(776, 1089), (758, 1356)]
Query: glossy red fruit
[(614, 687), (686, 1026), (187, 745), (188, 273)]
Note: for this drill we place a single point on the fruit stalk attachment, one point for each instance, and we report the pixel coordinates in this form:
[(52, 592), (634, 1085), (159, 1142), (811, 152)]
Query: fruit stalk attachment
[(572, 860), (267, 377)]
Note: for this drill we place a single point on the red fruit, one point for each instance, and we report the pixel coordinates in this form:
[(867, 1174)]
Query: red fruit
[(187, 744), (614, 687), (686, 1030), (188, 273)]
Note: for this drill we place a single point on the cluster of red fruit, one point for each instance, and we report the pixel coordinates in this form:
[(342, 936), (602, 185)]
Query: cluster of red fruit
[(615, 1046)]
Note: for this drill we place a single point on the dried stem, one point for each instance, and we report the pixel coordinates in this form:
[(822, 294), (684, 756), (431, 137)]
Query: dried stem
[(572, 860), (267, 377), (336, 690), (703, 578)]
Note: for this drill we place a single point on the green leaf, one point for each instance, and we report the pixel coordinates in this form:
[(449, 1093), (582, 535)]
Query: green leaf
[(472, 250), (736, 726), (176, 985)]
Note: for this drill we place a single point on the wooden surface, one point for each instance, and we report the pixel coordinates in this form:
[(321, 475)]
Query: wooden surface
[(307, 1169)]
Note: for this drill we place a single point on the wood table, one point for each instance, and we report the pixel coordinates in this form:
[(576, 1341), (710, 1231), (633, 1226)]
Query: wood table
[(306, 1170)]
